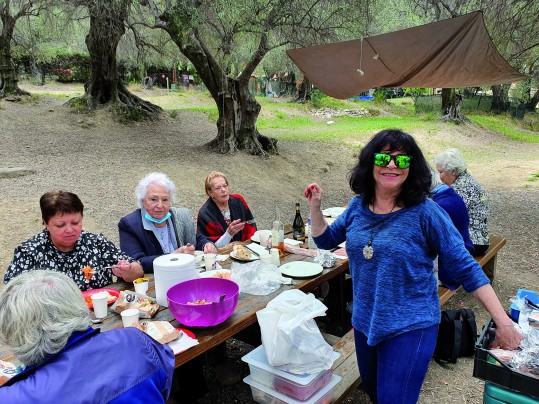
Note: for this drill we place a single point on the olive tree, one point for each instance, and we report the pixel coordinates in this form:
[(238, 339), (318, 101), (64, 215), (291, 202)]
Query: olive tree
[(209, 33), (12, 11), (107, 26)]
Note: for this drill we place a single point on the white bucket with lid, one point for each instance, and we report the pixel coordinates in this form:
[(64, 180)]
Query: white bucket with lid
[(169, 270)]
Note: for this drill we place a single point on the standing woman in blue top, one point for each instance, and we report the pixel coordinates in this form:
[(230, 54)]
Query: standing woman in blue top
[(393, 233)]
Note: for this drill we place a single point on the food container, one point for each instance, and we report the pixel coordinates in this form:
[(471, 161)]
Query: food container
[(487, 367), (264, 394), (221, 294), (299, 387), (521, 293), (495, 394)]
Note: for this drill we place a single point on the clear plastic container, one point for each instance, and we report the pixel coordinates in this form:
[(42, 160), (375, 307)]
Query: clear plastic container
[(299, 387), (265, 395)]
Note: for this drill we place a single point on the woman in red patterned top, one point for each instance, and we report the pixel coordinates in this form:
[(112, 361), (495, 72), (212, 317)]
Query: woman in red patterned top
[(224, 217)]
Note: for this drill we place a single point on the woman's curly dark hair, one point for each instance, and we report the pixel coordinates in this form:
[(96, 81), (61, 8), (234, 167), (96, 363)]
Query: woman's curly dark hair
[(417, 185)]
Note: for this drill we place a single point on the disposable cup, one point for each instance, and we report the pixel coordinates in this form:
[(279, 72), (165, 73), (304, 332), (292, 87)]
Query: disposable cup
[(99, 301), (141, 287), (209, 261), (265, 257), (264, 236), (129, 317), (275, 256), (198, 257)]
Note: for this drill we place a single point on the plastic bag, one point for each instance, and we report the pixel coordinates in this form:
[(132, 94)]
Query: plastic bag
[(257, 277), (290, 336)]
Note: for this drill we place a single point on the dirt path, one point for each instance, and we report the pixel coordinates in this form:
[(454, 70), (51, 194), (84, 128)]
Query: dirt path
[(102, 162)]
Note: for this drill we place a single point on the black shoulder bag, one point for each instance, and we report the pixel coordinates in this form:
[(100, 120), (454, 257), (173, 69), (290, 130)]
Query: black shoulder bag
[(456, 335)]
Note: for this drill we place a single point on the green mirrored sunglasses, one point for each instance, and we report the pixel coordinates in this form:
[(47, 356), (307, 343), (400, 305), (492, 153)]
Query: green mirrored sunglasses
[(383, 159)]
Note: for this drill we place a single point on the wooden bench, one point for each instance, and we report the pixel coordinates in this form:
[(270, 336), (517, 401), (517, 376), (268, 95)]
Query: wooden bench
[(345, 366), (487, 262)]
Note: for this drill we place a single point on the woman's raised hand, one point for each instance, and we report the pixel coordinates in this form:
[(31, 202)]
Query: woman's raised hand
[(235, 227), (313, 193)]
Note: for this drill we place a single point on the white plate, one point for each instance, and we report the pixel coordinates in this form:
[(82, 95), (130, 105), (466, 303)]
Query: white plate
[(333, 212), (301, 269), (210, 274), (255, 238), (200, 266), (343, 244), (253, 257)]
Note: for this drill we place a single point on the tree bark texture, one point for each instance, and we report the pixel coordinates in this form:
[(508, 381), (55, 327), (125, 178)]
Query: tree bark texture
[(451, 106), (8, 75), (500, 99), (238, 109), (105, 87)]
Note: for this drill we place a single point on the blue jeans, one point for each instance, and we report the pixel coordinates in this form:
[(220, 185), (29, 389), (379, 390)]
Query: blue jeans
[(393, 371)]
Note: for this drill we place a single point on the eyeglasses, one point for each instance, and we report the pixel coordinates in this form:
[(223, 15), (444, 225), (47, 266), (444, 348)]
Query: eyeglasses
[(400, 160)]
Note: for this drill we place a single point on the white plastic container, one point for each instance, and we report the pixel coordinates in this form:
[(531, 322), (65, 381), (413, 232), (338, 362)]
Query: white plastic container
[(263, 394), (299, 387), (169, 270)]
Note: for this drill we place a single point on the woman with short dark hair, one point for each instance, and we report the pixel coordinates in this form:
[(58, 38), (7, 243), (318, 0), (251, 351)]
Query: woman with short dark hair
[(393, 233), (89, 259)]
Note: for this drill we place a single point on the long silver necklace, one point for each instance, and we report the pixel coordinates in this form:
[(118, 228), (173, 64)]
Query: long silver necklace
[(368, 251)]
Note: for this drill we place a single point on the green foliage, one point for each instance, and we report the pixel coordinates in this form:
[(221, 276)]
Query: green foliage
[(79, 103), (30, 99), (379, 95), (534, 177), (507, 126), (320, 100), (127, 114), (173, 114)]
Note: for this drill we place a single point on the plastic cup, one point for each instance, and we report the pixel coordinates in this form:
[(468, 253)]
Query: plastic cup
[(129, 317), (99, 301), (275, 257), (198, 257), (141, 287), (264, 236), (209, 261), (266, 258)]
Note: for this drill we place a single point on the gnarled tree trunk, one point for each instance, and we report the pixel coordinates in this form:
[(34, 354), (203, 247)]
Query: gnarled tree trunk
[(238, 109), (105, 87), (8, 75), (500, 98), (451, 106)]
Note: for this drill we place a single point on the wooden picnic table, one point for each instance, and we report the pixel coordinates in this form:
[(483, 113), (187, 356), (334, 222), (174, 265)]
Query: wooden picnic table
[(244, 314)]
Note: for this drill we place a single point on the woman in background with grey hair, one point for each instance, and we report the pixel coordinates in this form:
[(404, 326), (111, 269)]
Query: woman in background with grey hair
[(451, 165), (44, 320), (157, 228)]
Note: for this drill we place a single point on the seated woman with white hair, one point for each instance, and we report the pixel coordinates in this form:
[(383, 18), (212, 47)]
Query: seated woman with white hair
[(44, 320), (157, 228), (451, 165)]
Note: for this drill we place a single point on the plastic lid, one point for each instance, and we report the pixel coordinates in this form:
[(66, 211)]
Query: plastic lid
[(319, 394), (257, 357)]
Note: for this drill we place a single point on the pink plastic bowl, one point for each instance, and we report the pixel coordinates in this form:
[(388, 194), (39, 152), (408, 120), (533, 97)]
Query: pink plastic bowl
[(210, 289)]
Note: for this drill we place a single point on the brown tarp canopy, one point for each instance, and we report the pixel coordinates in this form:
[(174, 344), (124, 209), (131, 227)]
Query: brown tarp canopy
[(452, 53)]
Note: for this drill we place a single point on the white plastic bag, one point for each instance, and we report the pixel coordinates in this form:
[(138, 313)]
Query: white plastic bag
[(290, 336), (257, 277)]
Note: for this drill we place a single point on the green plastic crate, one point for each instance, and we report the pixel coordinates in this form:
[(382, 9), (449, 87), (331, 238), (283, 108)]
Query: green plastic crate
[(495, 394)]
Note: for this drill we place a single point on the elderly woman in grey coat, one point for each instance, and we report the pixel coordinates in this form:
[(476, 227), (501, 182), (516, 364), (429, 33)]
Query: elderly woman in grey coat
[(157, 228), (44, 320), (451, 165)]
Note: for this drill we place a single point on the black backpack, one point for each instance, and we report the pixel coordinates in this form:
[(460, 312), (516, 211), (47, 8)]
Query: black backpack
[(456, 335)]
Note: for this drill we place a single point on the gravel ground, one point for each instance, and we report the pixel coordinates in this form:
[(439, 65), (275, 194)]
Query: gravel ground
[(102, 161)]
